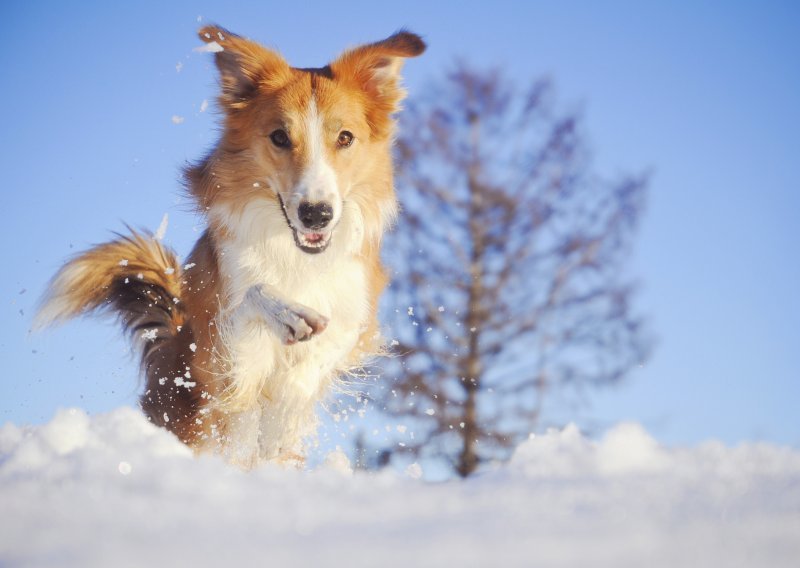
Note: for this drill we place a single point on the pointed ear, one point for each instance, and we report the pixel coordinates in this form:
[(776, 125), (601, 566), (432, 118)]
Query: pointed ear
[(375, 68), (243, 64)]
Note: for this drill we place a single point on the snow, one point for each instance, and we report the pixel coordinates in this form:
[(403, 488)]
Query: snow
[(210, 47), (113, 489), (150, 334), (414, 471), (162, 228)]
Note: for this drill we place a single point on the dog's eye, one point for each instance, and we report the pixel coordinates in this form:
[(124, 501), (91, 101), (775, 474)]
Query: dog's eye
[(345, 139), (280, 139)]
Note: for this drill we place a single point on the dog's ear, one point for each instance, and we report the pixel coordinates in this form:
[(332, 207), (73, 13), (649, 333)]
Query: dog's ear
[(243, 64), (375, 68)]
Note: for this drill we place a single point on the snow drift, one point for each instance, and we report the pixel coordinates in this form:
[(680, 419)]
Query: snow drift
[(113, 490)]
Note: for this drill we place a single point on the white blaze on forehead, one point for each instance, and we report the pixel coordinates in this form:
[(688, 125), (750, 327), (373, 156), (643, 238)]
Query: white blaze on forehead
[(318, 182)]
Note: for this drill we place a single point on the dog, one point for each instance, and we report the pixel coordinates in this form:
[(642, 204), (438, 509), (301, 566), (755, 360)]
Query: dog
[(278, 297)]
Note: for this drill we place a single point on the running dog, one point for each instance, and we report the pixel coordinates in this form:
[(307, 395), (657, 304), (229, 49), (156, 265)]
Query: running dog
[(279, 295)]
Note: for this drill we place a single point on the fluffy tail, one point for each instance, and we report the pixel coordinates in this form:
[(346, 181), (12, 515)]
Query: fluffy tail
[(133, 277)]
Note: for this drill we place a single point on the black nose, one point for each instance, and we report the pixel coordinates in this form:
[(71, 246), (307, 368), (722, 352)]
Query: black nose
[(315, 215)]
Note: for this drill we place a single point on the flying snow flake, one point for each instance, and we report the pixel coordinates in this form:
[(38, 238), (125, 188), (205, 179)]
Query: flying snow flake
[(410, 310), (166, 417), (402, 428), (430, 412), (162, 381), (440, 308), (210, 47), (178, 66), (123, 262), (473, 329), (414, 471), (140, 276), (150, 334), (461, 424), (193, 347), (394, 343), (256, 184), (204, 105), (169, 270), (180, 382), (162, 228), (124, 467), (188, 266), (177, 119)]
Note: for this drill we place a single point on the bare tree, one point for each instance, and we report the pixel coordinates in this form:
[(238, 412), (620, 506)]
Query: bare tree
[(506, 268)]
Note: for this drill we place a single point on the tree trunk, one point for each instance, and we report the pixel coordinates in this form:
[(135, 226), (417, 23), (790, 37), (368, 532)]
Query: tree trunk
[(468, 458)]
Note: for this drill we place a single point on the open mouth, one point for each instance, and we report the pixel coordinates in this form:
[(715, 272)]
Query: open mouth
[(312, 242)]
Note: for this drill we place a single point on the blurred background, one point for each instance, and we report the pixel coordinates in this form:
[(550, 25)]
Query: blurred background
[(684, 116)]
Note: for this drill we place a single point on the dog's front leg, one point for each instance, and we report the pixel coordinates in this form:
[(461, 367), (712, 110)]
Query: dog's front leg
[(290, 321), (253, 335)]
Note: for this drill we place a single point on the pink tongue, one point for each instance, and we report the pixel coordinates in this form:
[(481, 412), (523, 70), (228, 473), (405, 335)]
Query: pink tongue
[(314, 237)]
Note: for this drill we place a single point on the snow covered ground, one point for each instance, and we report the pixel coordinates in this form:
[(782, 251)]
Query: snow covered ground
[(112, 490)]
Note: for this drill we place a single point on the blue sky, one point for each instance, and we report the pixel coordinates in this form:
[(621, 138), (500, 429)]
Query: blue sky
[(704, 94)]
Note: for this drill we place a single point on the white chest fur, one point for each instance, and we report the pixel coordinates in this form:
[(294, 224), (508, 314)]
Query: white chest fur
[(274, 387)]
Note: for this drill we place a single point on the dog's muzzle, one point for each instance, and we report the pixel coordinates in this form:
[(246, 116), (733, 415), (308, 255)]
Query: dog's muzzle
[(315, 235)]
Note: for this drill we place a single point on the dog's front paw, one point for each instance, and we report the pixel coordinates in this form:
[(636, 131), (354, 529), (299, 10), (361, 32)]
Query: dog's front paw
[(301, 323), (292, 322)]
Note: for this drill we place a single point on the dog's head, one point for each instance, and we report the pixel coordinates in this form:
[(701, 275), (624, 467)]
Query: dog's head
[(311, 139)]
